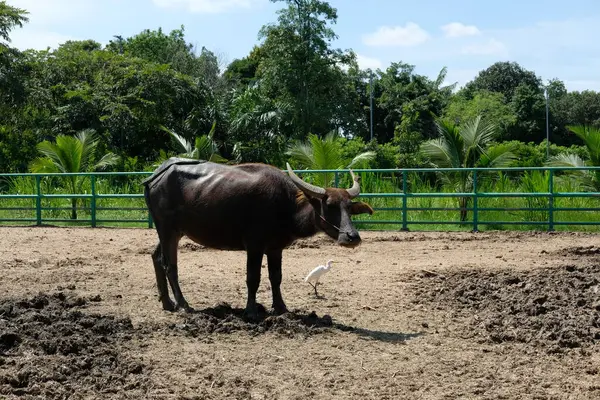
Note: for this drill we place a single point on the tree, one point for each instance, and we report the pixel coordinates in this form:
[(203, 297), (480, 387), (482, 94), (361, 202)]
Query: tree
[(406, 96), (591, 139), (203, 148), (71, 154), (529, 107), (241, 73), (467, 146), (11, 70), (326, 153), (503, 77), (10, 18), (300, 67), (490, 105), (125, 99)]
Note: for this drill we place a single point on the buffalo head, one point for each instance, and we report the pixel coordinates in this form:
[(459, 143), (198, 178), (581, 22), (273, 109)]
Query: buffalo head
[(334, 207)]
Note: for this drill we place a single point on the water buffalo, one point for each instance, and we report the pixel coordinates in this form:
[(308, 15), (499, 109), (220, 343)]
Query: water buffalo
[(252, 207)]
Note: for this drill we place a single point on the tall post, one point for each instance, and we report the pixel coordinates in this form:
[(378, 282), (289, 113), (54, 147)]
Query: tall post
[(547, 126), (371, 107)]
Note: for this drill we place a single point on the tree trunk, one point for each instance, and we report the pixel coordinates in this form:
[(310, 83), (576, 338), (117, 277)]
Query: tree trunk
[(463, 202), (73, 208)]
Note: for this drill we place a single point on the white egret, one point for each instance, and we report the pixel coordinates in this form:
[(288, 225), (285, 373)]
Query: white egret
[(316, 274)]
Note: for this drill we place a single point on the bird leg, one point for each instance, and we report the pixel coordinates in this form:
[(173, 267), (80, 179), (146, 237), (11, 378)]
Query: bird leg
[(314, 287)]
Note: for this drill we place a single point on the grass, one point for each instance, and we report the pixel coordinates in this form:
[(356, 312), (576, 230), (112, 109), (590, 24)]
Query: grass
[(423, 212), (119, 212)]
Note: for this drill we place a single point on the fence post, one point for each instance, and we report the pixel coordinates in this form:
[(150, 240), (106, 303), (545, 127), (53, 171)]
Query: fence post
[(93, 202), (38, 200), (404, 202), (475, 210), (551, 201), (336, 179)]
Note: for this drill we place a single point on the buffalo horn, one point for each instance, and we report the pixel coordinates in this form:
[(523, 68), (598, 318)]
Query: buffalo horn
[(355, 189), (306, 187)]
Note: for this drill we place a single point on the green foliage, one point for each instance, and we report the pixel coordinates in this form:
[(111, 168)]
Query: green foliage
[(536, 182), (503, 77), (491, 105), (466, 146), (71, 154), (124, 99), (172, 49), (299, 66), (410, 98), (242, 72), (408, 139), (294, 83), (591, 139), (259, 126), (203, 148), (326, 153), (10, 18), (11, 68)]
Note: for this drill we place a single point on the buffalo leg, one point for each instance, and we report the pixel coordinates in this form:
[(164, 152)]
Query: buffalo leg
[(274, 262), (161, 279), (253, 266), (170, 257)]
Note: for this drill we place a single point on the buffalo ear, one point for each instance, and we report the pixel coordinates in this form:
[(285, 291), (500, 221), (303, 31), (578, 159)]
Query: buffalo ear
[(358, 207)]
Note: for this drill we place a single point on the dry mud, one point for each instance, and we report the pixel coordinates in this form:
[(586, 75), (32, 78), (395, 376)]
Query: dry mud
[(406, 315)]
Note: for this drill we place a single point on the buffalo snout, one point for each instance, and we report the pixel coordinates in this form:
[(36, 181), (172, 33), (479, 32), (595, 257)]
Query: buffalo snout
[(349, 239)]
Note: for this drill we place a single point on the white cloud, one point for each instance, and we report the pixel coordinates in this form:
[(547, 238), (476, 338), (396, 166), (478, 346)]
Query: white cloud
[(365, 62), (456, 29), (407, 36), (207, 6), (492, 47)]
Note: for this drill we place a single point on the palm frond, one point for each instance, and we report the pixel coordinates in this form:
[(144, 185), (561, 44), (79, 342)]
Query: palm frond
[(301, 153), (43, 165), (185, 145), (70, 150), (478, 133), (440, 153), (108, 160), (566, 160), (87, 137), (52, 152), (362, 160), (591, 138), (497, 157), (326, 153), (451, 135)]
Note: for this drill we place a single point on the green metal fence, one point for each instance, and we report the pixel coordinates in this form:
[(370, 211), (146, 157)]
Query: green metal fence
[(547, 198)]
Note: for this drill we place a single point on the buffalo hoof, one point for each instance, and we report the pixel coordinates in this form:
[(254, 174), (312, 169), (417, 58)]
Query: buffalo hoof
[(280, 309), (188, 309), (185, 307), (253, 313), (168, 305)]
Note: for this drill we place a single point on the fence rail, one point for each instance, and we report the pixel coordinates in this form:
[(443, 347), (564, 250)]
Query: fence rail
[(543, 197)]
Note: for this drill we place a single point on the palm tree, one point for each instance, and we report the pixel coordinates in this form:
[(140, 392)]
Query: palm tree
[(591, 139), (204, 147), (326, 153), (466, 146), (71, 154)]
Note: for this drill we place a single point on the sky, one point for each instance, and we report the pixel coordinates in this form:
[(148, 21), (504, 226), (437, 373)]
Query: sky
[(551, 37)]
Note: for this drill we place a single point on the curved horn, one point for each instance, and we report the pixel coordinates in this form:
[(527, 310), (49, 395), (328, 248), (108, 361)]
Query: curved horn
[(354, 191), (306, 187)]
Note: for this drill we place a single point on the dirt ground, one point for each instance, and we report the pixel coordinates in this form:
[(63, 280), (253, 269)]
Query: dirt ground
[(406, 315)]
